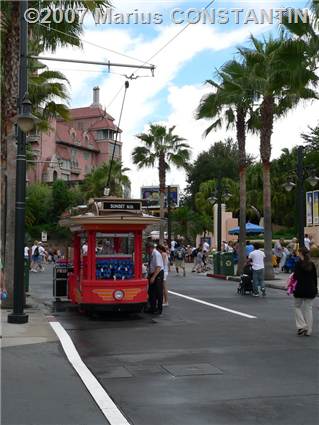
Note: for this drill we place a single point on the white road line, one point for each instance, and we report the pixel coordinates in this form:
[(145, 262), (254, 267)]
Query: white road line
[(213, 305), (102, 399)]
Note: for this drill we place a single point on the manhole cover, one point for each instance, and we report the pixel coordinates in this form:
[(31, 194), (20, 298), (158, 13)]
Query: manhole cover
[(115, 372), (146, 370), (192, 369)]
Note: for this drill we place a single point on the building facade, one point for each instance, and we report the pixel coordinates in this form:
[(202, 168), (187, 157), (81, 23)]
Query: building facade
[(71, 149)]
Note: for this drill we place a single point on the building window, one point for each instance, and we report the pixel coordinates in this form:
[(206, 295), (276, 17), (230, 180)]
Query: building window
[(86, 155), (105, 134), (117, 152)]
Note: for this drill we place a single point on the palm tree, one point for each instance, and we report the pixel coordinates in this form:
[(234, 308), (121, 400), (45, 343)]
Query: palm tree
[(230, 102), (305, 34), (161, 148), (280, 76), (95, 182)]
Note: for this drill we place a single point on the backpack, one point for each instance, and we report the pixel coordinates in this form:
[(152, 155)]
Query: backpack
[(36, 252), (194, 253), (179, 254)]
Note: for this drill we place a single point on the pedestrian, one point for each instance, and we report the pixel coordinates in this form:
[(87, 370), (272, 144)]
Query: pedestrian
[(199, 261), (155, 279), (278, 251), (285, 254), (84, 248), (249, 248), (205, 250), (42, 256), (293, 247), (179, 259), (189, 251), (305, 291), (3, 290), (162, 249), (35, 257), (257, 258), (307, 241)]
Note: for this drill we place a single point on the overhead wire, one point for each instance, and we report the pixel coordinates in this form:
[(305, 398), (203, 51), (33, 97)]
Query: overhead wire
[(170, 41), (92, 44), (126, 86)]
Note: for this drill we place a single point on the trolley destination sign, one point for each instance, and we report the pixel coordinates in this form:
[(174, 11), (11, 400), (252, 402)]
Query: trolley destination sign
[(122, 206)]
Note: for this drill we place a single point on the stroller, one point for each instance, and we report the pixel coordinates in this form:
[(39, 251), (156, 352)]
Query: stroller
[(246, 281)]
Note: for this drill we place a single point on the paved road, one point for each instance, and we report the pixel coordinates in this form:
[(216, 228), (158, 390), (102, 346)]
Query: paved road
[(198, 365)]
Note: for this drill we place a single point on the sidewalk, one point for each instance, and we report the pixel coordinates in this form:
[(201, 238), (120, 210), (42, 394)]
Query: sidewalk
[(39, 386)]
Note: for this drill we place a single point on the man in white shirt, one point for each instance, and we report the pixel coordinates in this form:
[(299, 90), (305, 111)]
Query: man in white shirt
[(85, 248), (205, 250), (257, 259), (42, 256), (307, 242), (156, 276)]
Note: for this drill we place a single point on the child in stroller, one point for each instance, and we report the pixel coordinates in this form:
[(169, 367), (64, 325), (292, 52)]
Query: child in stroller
[(246, 280)]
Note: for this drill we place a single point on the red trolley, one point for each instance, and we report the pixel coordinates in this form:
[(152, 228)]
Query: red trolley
[(107, 255)]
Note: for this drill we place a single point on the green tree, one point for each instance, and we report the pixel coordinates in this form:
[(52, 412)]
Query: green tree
[(38, 205), (230, 102), (95, 182), (280, 77), (60, 199), (161, 148), (220, 159)]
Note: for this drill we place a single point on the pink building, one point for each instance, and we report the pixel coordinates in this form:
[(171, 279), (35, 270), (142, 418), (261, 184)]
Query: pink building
[(71, 149)]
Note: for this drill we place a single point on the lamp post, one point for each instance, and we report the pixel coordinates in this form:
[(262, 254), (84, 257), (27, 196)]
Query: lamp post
[(300, 193), (25, 122), (217, 198)]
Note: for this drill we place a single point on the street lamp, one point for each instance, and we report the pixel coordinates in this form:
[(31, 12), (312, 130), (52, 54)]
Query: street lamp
[(300, 192), (25, 123), (221, 193), (26, 120)]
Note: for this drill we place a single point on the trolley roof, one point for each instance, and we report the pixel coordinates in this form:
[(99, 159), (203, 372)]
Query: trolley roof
[(107, 210)]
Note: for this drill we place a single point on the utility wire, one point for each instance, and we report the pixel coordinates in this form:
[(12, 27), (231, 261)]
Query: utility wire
[(170, 41), (126, 86), (93, 44), (116, 95)]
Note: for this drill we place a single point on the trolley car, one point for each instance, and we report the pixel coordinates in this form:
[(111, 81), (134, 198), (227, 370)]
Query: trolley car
[(107, 255)]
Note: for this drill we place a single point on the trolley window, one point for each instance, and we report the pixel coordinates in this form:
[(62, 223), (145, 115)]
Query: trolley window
[(114, 256)]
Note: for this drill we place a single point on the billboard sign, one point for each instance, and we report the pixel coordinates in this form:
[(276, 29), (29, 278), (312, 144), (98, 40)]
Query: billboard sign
[(309, 208), (151, 196)]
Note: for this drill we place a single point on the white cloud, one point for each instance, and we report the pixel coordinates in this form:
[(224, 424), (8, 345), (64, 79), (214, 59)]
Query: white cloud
[(143, 97)]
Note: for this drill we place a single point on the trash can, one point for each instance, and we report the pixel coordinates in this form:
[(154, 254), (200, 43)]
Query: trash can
[(227, 264), (60, 278), (26, 274), (216, 262)]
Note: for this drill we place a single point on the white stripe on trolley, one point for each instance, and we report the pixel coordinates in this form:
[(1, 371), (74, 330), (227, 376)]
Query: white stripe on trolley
[(102, 399), (219, 307)]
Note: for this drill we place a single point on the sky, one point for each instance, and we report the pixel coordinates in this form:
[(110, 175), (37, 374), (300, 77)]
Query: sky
[(172, 96)]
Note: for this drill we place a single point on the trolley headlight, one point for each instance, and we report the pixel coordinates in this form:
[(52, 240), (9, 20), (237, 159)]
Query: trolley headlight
[(118, 295)]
